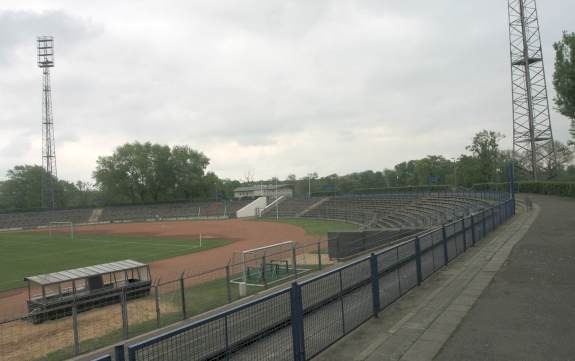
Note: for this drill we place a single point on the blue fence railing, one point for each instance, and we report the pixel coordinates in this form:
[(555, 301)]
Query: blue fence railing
[(299, 322)]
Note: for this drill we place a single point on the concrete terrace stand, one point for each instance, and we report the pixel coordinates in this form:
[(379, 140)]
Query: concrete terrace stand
[(56, 295)]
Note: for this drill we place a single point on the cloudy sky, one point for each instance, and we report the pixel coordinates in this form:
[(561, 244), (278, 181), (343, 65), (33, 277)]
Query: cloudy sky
[(263, 86)]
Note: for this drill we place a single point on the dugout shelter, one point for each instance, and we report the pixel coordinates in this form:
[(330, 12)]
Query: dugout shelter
[(55, 295)]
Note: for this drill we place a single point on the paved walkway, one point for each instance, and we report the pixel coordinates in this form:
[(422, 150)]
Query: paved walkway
[(482, 307), (528, 311)]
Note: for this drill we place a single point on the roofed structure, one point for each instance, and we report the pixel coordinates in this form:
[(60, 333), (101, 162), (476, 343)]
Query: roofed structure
[(84, 272), (264, 190)]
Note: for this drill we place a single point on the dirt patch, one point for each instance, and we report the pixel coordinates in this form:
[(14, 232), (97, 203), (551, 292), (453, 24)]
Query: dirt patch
[(312, 259), (19, 339)]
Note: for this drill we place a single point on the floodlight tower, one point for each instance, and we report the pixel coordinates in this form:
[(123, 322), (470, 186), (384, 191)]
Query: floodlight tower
[(49, 176), (532, 133)]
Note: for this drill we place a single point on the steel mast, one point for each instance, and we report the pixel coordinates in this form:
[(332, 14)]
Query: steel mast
[(50, 174), (532, 133)]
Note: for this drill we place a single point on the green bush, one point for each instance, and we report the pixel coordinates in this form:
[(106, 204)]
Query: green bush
[(564, 189), (496, 187)]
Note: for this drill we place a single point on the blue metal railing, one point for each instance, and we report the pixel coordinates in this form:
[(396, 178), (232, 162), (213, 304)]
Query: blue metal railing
[(298, 322)]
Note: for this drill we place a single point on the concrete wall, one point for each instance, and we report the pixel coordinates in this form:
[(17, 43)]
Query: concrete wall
[(252, 209)]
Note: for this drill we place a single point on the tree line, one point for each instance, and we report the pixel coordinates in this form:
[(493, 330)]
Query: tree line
[(485, 162), (138, 173), (147, 173), (135, 173)]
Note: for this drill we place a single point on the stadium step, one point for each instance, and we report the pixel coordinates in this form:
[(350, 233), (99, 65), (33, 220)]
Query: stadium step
[(313, 206), (95, 216)]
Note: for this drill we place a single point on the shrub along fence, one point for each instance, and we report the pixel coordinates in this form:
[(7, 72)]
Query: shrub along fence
[(564, 189), (298, 322)]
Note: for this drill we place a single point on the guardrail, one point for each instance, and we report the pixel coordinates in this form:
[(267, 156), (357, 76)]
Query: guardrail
[(298, 322)]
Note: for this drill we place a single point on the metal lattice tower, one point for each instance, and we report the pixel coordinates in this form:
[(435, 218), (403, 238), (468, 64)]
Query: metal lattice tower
[(532, 133), (49, 176)]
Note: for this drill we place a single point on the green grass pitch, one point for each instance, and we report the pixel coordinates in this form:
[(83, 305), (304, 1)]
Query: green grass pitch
[(29, 253), (316, 227)]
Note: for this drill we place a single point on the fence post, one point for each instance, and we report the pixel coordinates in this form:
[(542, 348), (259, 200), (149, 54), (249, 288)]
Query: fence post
[(297, 323), (119, 353), (472, 230), (464, 234), (157, 294), (492, 219), (75, 326), (183, 293), (124, 300), (341, 301), (374, 285), (227, 337), (512, 208), (484, 223), (294, 262), (228, 288), (264, 271), (418, 260), (445, 255), (319, 254)]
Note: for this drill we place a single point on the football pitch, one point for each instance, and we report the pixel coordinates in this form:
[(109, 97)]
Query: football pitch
[(29, 253)]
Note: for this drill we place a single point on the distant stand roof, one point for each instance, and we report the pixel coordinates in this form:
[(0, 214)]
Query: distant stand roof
[(261, 187), (84, 272)]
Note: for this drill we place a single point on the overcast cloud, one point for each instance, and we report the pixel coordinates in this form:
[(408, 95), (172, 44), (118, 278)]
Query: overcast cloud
[(270, 87)]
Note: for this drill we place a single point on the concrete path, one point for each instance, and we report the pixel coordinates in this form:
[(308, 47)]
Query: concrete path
[(528, 310), (417, 326)]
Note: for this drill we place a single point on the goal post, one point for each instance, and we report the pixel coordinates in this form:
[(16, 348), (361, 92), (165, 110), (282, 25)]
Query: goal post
[(264, 266), (52, 226), (256, 258)]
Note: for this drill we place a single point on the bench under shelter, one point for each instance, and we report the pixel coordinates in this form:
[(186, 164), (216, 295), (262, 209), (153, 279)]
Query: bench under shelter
[(55, 295)]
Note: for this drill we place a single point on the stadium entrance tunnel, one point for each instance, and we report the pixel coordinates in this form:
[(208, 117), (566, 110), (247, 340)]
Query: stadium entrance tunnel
[(343, 245)]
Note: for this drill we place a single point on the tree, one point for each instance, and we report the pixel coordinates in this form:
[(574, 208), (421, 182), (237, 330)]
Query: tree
[(485, 147), (405, 173), (468, 171), (23, 190), (564, 78), (391, 178), (146, 172), (564, 156), (433, 169), (188, 168)]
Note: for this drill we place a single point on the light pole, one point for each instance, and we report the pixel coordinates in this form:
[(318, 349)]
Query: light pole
[(309, 185), (454, 160)]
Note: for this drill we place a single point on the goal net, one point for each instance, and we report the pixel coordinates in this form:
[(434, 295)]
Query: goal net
[(61, 228), (264, 266)]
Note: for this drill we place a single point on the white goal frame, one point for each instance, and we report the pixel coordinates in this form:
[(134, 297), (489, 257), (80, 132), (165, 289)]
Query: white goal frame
[(263, 251), (242, 257), (52, 225)]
